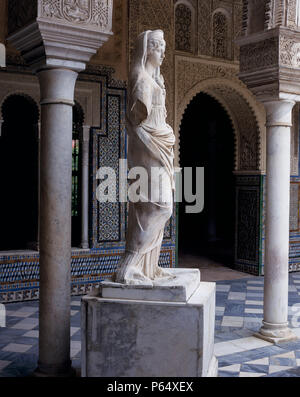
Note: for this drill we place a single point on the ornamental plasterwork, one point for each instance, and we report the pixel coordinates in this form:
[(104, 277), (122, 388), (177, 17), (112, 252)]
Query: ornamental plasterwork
[(221, 82), (184, 29), (190, 71), (220, 35), (258, 55), (237, 23), (284, 50), (87, 12), (204, 27), (289, 52)]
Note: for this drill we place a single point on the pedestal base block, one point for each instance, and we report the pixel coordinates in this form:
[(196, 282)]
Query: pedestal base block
[(177, 289), (148, 338)]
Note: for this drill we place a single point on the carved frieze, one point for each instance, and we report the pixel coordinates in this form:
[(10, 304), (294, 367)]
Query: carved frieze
[(289, 51), (88, 12), (260, 54)]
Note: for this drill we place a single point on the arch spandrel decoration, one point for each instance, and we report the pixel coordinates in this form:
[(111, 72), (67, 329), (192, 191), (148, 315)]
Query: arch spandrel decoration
[(247, 117)]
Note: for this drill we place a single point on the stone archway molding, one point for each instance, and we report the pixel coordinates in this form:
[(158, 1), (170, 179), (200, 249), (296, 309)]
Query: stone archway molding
[(247, 117)]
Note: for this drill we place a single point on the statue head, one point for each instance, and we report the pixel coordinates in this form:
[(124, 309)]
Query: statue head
[(156, 47), (150, 47)]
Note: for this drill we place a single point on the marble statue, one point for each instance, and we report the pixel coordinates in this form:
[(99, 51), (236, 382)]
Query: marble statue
[(150, 145)]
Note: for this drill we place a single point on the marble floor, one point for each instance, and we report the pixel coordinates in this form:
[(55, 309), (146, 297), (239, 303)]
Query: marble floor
[(239, 311)]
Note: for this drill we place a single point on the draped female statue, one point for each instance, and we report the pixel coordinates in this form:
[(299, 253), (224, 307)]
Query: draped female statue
[(150, 145)]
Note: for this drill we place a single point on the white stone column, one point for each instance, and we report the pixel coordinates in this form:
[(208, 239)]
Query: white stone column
[(57, 48), (276, 283), (85, 187), (57, 95)]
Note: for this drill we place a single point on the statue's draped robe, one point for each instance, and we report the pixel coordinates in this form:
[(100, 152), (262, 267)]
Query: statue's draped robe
[(150, 144)]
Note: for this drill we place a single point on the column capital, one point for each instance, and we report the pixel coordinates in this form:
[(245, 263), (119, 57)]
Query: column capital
[(279, 112), (57, 86), (54, 34)]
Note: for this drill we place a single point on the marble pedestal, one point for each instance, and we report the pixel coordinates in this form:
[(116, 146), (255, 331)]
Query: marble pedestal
[(159, 331)]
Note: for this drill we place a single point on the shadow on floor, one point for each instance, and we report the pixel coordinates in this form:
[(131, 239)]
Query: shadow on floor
[(211, 269)]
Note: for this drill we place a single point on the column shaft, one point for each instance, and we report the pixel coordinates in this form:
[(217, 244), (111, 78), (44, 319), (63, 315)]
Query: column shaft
[(57, 94), (275, 324)]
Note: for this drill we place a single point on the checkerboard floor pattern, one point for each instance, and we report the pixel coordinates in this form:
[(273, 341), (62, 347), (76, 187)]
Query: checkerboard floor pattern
[(239, 312)]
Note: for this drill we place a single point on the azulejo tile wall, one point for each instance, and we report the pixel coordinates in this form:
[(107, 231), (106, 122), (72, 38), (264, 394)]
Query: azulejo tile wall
[(294, 262), (19, 274), (248, 224)]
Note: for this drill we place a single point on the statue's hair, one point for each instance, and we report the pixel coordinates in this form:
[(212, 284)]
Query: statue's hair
[(153, 44)]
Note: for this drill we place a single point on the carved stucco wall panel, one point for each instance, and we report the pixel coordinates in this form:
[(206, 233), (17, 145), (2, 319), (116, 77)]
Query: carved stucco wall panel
[(185, 27), (88, 12), (258, 55), (237, 27), (233, 10), (114, 51), (204, 27), (220, 28)]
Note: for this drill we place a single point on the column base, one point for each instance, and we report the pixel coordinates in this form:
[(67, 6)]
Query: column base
[(275, 333), (53, 371)]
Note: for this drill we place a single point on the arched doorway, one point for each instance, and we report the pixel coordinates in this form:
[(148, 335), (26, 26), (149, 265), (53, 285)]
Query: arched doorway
[(19, 174), (207, 140), (78, 118)]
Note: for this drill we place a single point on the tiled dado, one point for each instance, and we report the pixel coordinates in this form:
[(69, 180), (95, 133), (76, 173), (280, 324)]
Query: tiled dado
[(19, 274), (250, 224)]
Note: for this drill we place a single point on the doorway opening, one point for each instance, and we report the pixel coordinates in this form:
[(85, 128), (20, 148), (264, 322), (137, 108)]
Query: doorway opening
[(19, 174), (207, 140)]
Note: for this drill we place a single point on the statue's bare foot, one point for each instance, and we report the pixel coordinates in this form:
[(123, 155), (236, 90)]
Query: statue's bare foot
[(130, 275), (162, 273)]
